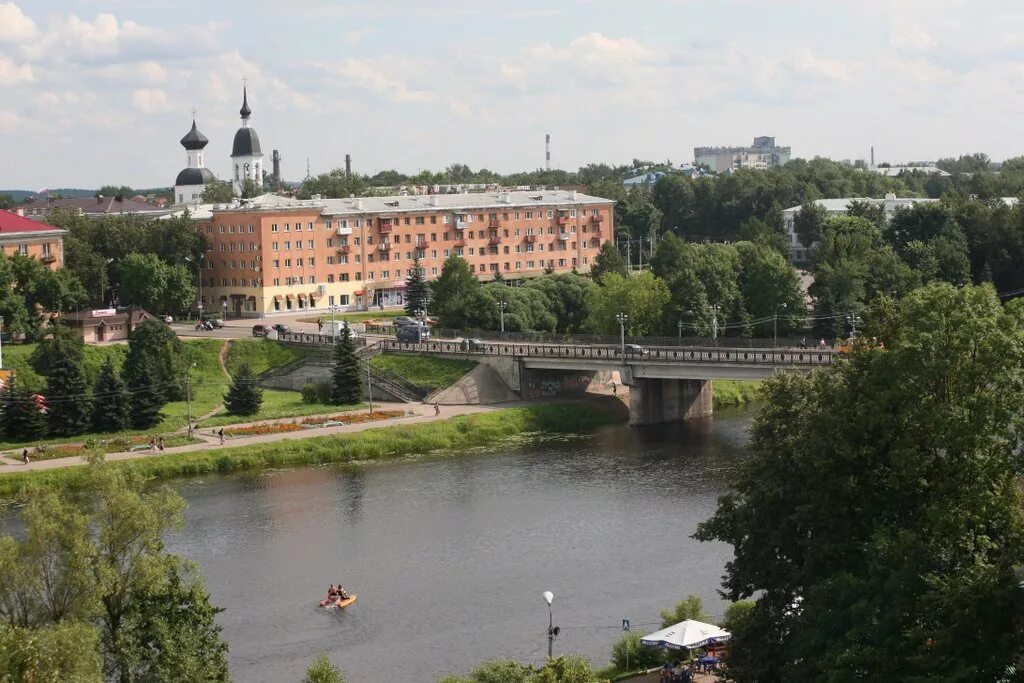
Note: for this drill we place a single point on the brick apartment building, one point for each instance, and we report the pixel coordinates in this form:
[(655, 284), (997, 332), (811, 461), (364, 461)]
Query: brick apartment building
[(25, 236), (274, 254)]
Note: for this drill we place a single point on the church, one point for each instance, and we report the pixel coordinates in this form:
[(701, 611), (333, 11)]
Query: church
[(246, 160)]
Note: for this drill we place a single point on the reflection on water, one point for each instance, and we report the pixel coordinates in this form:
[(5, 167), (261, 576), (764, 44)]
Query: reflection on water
[(450, 555)]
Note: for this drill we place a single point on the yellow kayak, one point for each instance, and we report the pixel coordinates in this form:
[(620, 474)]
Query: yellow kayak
[(340, 604)]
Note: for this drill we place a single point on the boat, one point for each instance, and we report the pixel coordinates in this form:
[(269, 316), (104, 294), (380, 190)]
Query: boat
[(340, 604)]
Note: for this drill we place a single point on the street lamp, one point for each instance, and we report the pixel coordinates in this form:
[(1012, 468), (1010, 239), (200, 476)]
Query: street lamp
[(714, 323), (680, 326), (224, 308), (199, 266), (334, 328), (853, 319), (622, 318), (775, 325), (502, 306), (552, 629)]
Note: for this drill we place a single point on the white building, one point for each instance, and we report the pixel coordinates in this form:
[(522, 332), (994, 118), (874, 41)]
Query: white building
[(246, 154), (763, 154), (192, 180), (893, 171), (798, 253)]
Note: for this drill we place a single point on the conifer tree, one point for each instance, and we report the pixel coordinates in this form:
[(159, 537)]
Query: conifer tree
[(345, 380), (146, 396), (417, 291), (111, 403), (61, 360), (244, 396), (23, 420)]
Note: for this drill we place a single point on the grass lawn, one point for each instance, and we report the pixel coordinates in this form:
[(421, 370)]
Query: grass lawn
[(424, 370), (354, 317), (728, 392), (277, 404), (262, 354)]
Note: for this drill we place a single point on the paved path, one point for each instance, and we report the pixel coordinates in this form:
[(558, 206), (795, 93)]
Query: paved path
[(420, 413)]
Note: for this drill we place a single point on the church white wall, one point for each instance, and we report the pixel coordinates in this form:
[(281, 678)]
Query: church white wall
[(188, 194)]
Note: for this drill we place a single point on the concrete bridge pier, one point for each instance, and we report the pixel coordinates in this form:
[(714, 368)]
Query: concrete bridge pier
[(652, 401)]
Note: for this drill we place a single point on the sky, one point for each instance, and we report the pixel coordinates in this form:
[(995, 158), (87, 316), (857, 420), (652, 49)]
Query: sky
[(95, 93)]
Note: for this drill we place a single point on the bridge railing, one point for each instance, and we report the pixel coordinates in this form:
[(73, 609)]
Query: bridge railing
[(315, 339), (717, 355)]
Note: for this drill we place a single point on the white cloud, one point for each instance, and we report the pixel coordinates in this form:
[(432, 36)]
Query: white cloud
[(150, 100), (374, 77), (912, 40), (15, 27), (12, 73), (806, 62), (356, 34), (10, 122)]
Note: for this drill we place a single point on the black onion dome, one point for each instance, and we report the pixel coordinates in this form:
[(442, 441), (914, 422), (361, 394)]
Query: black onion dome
[(247, 143), (194, 139), (245, 111), (195, 176)]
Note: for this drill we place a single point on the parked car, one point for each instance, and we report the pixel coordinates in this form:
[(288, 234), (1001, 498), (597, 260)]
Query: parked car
[(260, 330), (168, 319), (281, 329), (214, 320), (634, 350), (403, 320), (415, 333)]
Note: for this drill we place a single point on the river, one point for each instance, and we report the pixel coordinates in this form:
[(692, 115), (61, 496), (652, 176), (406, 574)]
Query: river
[(449, 555)]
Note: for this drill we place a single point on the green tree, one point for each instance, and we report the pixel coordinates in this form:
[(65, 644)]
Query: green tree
[(60, 359), (322, 671), (218, 192), (525, 309), (455, 283), (643, 297), (12, 305), (22, 418), (690, 607), (770, 287), (147, 395), (111, 401), (334, 184), (608, 260), (147, 281), (53, 654), (882, 542), (417, 290), (244, 396), (629, 649), (250, 188), (346, 386), (808, 222), (567, 298), (153, 348), (122, 191)]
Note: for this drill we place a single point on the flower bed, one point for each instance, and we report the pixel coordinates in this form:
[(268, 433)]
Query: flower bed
[(117, 444), (256, 430), (353, 418)]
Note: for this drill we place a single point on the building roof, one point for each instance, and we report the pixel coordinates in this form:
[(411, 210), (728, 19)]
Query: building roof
[(245, 111), (892, 171), (13, 224), (194, 139), (644, 178), (246, 143), (194, 176), (101, 316), (92, 205), (841, 204)]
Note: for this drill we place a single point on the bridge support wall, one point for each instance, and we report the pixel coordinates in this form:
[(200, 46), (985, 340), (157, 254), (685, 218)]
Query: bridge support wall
[(668, 400)]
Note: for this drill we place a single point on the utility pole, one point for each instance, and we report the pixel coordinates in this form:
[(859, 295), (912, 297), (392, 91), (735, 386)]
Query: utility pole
[(714, 323), (369, 387), (640, 253), (629, 255), (188, 396), (502, 305)]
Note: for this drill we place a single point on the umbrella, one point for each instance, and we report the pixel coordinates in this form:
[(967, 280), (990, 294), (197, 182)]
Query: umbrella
[(687, 635)]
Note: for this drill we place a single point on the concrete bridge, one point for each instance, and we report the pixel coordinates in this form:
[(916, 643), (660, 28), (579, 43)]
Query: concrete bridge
[(666, 383)]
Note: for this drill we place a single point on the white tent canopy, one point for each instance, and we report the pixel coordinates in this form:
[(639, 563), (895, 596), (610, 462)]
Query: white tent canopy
[(687, 635)]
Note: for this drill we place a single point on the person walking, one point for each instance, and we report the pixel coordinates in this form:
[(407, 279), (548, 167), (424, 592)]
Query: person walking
[(152, 445), (24, 456), (615, 388), (221, 435), (160, 444), (437, 409), (320, 325)]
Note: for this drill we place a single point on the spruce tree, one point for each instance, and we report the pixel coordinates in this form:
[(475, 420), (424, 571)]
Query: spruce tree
[(61, 360), (244, 396), (111, 403), (345, 380), (22, 418), (146, 396), (417, 291)]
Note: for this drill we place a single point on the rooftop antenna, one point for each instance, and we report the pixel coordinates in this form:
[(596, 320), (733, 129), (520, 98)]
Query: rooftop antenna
[(547, 150)]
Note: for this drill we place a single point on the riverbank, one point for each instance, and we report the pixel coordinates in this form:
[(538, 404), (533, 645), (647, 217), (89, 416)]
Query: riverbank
[(728, 393), (423, 437)]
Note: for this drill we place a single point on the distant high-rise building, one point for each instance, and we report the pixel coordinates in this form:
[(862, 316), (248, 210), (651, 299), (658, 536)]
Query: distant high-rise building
[(763, 154)]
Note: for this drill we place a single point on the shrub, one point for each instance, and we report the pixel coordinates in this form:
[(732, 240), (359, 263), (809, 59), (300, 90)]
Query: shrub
[(323, 392), (310, 393), (640, 656)]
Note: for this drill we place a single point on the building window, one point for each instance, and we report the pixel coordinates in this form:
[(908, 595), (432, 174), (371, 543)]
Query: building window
[(273, 227)]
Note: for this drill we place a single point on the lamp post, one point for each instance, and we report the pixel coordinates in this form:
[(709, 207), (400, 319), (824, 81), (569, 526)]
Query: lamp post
[(188, 396), (1, 341), (502, 306), (334, 328), (775, 325), (622, 318), (552, 629), (853, 319), (224, 308), (714, 323), (680, 326)]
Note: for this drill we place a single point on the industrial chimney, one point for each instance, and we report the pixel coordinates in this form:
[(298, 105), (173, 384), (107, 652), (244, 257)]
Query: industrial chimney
[(547, 150), (276, 159), (348, 165)]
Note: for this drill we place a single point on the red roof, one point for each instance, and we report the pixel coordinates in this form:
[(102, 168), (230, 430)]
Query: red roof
[(11, 222)]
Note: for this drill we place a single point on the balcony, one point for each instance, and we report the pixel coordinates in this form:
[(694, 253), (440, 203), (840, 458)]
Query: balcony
[(598, 218), (460, 225), (48, 258), (531, 238), (494, 240), (459, 243), (563, 219), (384, 246), (493, 223), (384, 228), (344, 248), (563, 237), (422, 244), (344, 231)]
